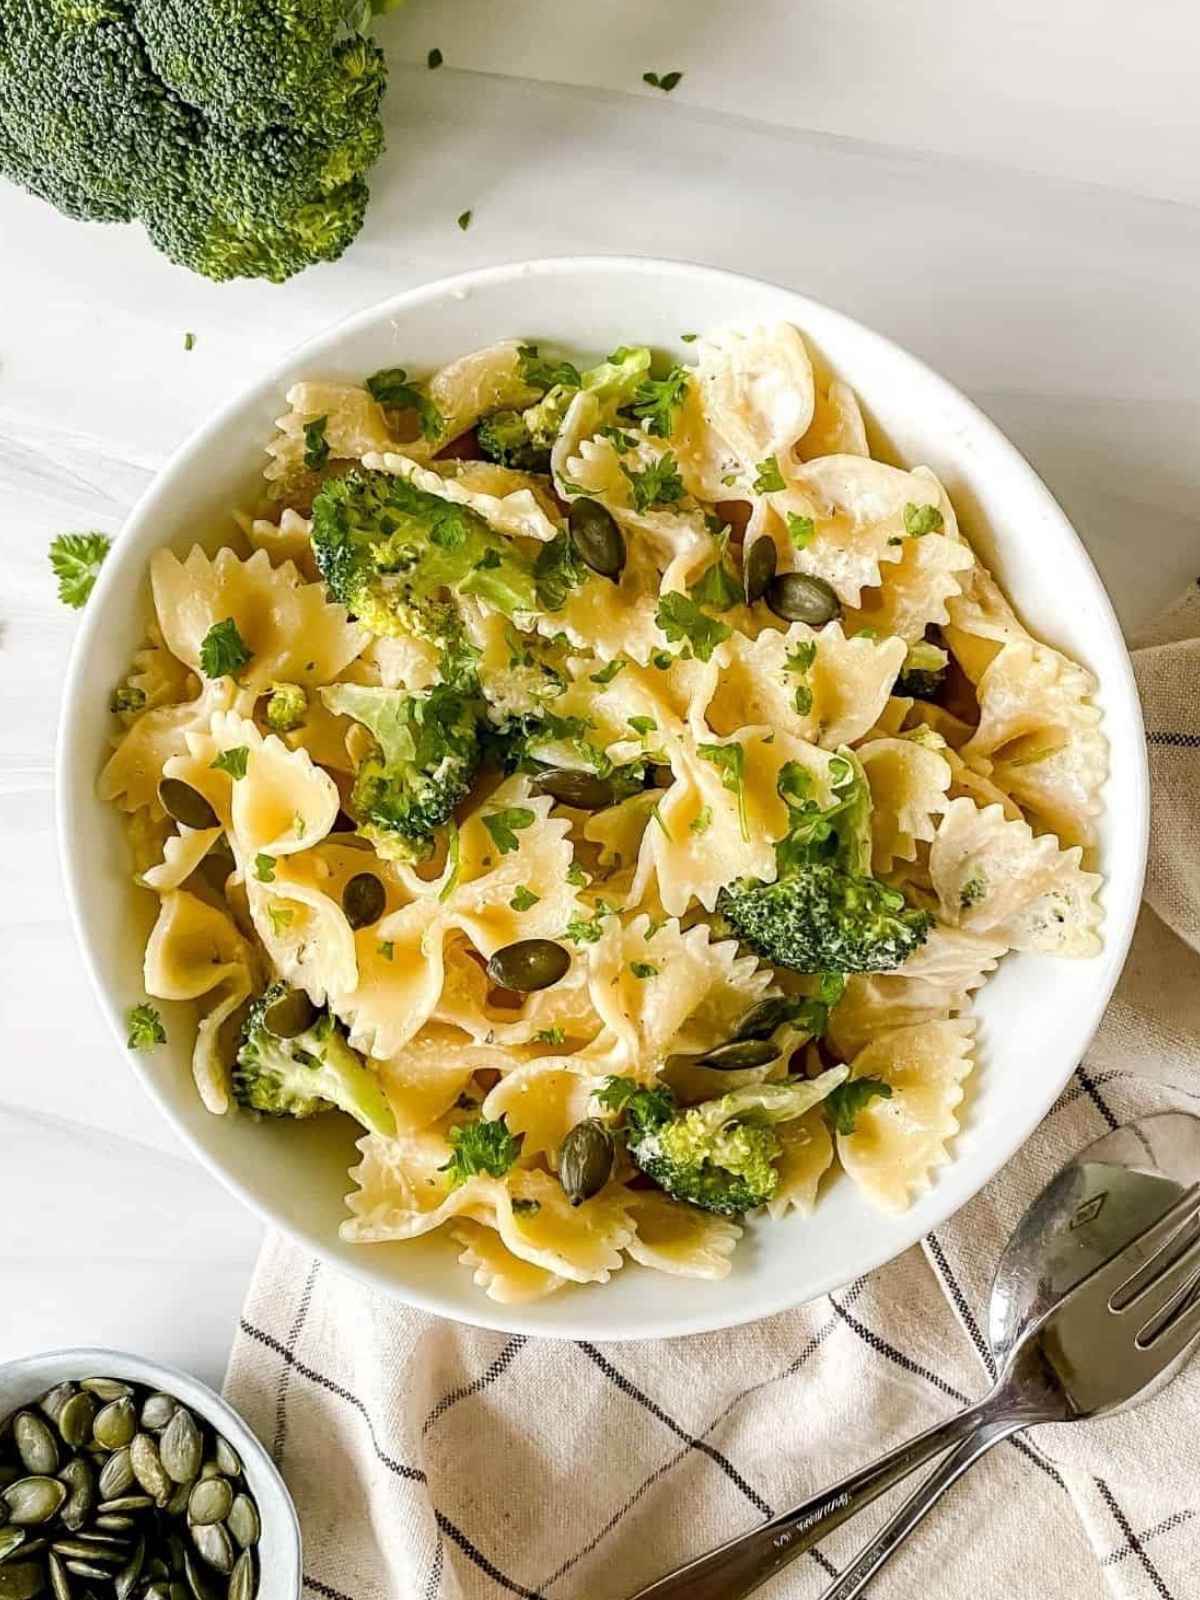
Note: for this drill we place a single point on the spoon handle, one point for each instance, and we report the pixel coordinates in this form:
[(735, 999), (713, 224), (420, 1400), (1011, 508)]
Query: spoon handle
[(738, 1567), (891, 1536)]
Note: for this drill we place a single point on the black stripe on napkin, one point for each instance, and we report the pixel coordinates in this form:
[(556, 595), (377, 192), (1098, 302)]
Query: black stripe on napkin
[(498, 1367)]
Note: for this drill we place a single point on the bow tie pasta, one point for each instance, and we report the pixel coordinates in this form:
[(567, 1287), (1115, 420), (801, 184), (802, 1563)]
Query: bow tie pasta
[(609, 785)]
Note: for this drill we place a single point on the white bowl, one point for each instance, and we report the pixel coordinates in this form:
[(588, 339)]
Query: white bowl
[(1036, 1015), (279, 1548)]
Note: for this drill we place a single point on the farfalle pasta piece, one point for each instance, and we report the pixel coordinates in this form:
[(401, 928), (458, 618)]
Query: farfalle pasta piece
[(470, 387), (583, 1243), (915, 590), (756, 390), (286, 540), (543, 1100), (874, 1002), (898, 1142), (518, 513), (354, 425), (502, 1276), (156, 674), (293, 632), (908, 783), (679, 1239), (980, 621), (283, 804), (425, 1078), (183, 851), (992, 876), (805, 1156), (131, 775), (837, 427), (1039, 738), (192, 948), (402, 1190), (210, 1061)]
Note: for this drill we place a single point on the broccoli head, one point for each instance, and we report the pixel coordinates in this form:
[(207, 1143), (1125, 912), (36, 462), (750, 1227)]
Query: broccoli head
[(309, 1072), (614, 382), (287, 707), (426, 752), (504, 438), (391, 553), (238, 132), (718, 1155), (824, 912)]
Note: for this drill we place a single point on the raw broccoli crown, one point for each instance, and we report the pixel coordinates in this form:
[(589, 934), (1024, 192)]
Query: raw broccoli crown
[(504, 438), (821, 918), (729, 1171), (389, 552), (237, 131), (301, 1077), (426, 751)]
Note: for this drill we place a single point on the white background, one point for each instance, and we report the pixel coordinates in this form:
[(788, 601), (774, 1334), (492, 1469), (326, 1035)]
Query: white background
[(1009, 188)]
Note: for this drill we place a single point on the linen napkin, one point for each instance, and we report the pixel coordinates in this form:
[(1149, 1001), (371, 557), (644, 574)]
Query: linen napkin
[(433, 1461)]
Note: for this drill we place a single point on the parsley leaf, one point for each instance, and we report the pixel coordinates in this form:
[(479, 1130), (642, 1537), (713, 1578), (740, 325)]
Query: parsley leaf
[(557, 570), (390, 387), (608, 673), (770, 479), (718, 586), (920, 520), (659, 484), (702, 821), (145, 1028), (643, 969), (586, 930), (504, 826), (232, 761), (800, 529), (620, 440), (434, 58), (223, 651), (280, 918), (577, 876), (316, 445), (801, 658), (76, 559), (264, 868), (656, 400), (523, 898), (541, 374), (523, 1207), (189, 341), (666, 82), (550, 1036), (730, 762), (680, 618), (843, 1104), (386, 948), (127, 697), (642, 725), (464, 220), (481, 1146)]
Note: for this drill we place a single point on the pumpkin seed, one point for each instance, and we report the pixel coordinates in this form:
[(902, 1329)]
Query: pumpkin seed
[(21, 1582), (158, 1591), (81, 1484), (761, 560), (570, 787), (528, 964), (116, 1475), (75, 1420), (243, 1521), (149, 1470), (115, 1424), (585, 1160), (126, 1502), (228, 1459), (157, 1411), (185, 804), (88, 1569), (55, 1399), (127, 1578), (33, 1547), (738, 1054), (33, 1500), (179, 1591), (801, 597), (114, 1522), (107, 1389), (214, 1544), (211, 1500), (177, 1505), (363, 900), (290, 1016), (60, 1584), (11, 1540), (596, 536), (242, 1582), (197, 1581), (88, 1550), (35, 1443), (181, 1449), (661, 777), (762, 1019)]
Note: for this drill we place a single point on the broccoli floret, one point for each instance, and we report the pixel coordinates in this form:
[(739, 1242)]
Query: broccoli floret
[(923, 672), (504, 438), (390, 552), (718, 1155), (287, 707), (614, 383), (238, 132), (426, 752), (824, 912), (302, 1076)]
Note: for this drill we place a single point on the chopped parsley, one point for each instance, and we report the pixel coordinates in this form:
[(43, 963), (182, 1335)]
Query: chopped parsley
[(586, 930), (386, 948), (643, 969), (659, 484), (189, 341), (666, 82), (505, 825), (126, 697), (281, 918), (656, 400), (232, 761), (800, 529), (843, 1104), (972, 892), (316, 445), (662, 659), (920, 520), (525, 1208), (541, 374), (770, 479), (145, 1028), (550, 1036), (464, 219), (689, 338), (681, 619), (621, 441), (642, 725), (702, 821), (264, 868), (390, 387), (76, 559), (523, 898), (434, 59), (577, 876), (608, 673), (718, 586), (730, 762), (557, 570), (453, 862), (223, 651), (482, 1146)]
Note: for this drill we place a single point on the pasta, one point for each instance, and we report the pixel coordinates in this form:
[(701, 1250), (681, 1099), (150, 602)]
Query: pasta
[(493, 792)]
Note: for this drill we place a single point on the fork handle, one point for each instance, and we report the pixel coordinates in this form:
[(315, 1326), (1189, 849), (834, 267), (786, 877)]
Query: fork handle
[(891, 1536), (738, 1567)]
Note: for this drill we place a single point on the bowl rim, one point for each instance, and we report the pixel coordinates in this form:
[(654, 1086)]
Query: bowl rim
[(1120, 686), (182, 1385)]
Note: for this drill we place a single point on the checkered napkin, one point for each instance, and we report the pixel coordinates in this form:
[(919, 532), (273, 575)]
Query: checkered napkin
[(432, 1461)]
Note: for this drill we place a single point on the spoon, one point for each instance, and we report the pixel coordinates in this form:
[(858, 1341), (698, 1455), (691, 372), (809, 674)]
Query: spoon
[(1055, 1359)]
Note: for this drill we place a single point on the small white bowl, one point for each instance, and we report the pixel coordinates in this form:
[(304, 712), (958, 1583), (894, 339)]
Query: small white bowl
[(279, 1549), (1036, 1015)]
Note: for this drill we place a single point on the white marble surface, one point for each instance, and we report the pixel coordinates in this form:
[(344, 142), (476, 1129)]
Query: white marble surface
[(1011, 191)]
